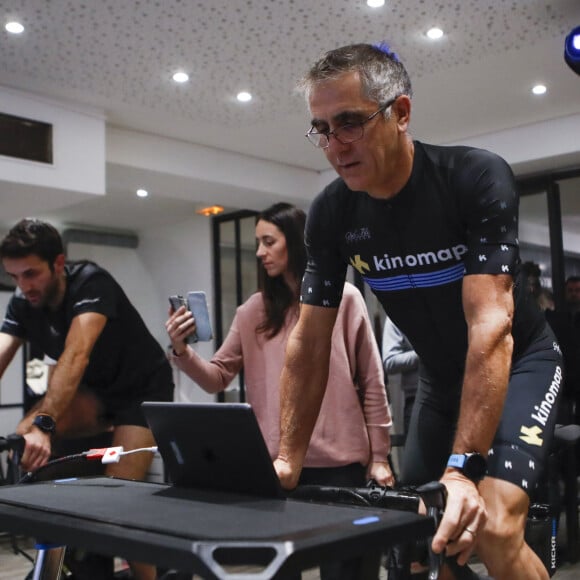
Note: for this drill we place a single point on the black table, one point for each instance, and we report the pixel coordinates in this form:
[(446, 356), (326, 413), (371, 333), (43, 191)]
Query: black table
[(201, 531)]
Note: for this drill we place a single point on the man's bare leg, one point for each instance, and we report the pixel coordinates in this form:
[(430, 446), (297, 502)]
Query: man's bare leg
[(501, 545)]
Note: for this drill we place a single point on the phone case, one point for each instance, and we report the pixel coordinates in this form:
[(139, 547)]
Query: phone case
[(198, 306)]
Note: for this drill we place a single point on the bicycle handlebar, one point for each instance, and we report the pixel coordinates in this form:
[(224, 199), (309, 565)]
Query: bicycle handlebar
[(372, 495), (12, 442), (433, 494)]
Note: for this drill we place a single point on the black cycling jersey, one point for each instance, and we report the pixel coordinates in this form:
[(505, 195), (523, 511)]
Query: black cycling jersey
[(126, 363), (456, 216)]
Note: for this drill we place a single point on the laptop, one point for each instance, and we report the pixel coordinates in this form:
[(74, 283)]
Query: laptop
[(213, 446)]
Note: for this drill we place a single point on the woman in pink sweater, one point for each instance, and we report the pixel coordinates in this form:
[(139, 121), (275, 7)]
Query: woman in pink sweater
[(351, 440)]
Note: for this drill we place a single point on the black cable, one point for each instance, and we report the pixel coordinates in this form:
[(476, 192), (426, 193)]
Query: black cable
[(326, 493), (30, 475), (20, 551)]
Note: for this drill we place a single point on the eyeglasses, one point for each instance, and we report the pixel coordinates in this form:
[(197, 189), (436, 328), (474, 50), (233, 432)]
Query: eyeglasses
[(348, 133)]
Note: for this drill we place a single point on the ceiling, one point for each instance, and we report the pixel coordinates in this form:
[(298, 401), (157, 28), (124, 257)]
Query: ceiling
[(119, 56)]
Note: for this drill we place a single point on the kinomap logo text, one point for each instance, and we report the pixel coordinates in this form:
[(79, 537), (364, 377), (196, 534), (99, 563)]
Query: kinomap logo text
[(541, 414), (544, 408), (387, 262)]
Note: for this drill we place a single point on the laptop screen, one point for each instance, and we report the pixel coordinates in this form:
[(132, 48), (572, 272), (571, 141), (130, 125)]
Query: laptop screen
[(213, 446)]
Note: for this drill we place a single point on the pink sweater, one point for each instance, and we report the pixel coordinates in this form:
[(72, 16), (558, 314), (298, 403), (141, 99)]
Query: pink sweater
[(353, 425)]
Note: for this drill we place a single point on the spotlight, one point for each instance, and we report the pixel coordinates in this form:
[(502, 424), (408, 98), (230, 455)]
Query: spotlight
[(572, 50)]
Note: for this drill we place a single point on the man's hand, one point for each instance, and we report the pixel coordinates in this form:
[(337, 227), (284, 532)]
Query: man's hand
[(463, 517), (381, 472), (287, 475), (37, 449)]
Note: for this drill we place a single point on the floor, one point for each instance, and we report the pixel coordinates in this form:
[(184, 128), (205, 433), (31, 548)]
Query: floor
[(17, 566)]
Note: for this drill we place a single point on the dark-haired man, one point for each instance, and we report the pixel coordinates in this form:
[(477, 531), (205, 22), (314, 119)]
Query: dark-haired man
[(107, 361), (433, 232)]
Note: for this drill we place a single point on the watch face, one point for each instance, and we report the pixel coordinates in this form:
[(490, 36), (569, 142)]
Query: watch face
[(45, 423), (475, 466)]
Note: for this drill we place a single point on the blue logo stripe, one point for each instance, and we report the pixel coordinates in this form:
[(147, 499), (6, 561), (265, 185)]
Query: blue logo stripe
[(448, 273), (404, 282)]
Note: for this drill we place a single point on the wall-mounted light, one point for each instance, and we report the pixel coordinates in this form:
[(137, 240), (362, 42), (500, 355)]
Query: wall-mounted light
[(142, 193), (210, 210)]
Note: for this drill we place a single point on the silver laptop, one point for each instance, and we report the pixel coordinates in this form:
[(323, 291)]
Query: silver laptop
[(213, 446)]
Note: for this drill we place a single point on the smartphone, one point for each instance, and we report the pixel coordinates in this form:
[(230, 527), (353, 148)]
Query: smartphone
[(176, 301), (198, 305)]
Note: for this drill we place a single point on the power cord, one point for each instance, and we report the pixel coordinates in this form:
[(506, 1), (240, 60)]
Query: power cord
[(105, 454)]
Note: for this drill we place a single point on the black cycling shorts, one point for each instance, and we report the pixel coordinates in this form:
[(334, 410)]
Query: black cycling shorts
[(125, 408), (524, 436)]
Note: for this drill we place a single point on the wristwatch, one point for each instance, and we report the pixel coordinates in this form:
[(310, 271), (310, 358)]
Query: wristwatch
[(472, 465), (45, 423)]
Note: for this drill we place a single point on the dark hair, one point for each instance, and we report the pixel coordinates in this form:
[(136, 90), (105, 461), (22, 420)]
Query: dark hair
[(383, 76), (531, 269), (572, 279), (532, 278), (31, 236), (278, 296)]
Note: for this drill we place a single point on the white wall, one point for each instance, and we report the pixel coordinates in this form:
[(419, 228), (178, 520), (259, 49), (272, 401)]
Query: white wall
[(11, 390), (194, 172), (179, 260), (78, 145)]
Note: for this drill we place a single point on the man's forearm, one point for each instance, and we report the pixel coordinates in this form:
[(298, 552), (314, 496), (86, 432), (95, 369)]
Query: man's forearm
[(302, 386), (484, 390), (63, 384)]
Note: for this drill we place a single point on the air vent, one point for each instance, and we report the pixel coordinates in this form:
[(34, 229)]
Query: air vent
[(25, 139)]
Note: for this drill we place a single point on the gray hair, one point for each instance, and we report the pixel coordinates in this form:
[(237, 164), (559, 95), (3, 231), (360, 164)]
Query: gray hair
[(383, 76)]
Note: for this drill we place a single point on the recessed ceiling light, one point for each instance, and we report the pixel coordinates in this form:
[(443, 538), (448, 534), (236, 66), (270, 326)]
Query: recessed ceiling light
[(539, 89), (244, 97), (435, 33), (375, 3), (14, 28), (142, 193), (180, 77)]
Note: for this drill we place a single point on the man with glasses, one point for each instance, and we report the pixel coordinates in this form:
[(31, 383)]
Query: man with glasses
[(433, 232)]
